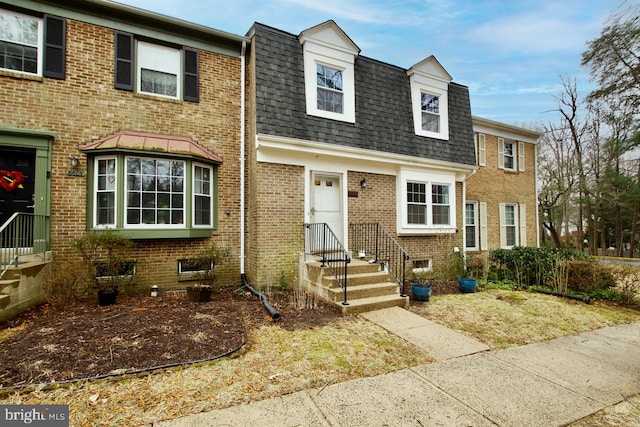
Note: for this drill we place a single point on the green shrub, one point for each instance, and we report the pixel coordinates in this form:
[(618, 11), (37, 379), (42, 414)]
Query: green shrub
[(589, 276), (530, 266)]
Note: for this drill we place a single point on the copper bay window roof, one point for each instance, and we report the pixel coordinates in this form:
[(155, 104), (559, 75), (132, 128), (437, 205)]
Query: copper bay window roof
[(153, 143)]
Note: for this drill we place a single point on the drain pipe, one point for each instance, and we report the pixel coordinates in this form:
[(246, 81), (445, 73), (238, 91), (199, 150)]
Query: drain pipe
[(265, 301), (272, 312)]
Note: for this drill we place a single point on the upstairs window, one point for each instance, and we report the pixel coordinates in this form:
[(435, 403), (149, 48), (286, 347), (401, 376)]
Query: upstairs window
[(509, 155), (32, 45), (20, 39), (155, 69), (158, 69), (330, 89), (430, 108)]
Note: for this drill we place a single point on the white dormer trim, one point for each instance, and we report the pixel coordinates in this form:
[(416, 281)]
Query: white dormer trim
[(326, 44), (429, 77)]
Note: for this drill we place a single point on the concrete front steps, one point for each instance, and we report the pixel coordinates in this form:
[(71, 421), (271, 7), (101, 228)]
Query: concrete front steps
[(368, 287), (21, 288)]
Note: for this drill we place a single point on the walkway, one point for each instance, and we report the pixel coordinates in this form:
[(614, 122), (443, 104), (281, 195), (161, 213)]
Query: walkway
[(545, 384)]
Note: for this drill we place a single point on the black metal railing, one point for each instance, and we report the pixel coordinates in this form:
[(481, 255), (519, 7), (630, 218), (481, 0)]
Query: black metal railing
[(320, 241), (375, 243), (22, 234)]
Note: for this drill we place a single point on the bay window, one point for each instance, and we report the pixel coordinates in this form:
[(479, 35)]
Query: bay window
[(141, 192)]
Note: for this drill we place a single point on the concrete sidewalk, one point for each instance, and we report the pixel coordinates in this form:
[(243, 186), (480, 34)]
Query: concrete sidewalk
[(545, 384)]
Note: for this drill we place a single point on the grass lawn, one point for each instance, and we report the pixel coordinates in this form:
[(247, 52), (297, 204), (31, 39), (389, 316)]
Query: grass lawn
[(278, 362)]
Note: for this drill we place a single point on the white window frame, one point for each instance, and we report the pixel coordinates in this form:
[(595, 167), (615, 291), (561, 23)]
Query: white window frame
[(161, 59), (315, 55), (504, 226), (97, 191), (39, 46), (194, 194), (472, 246), (428, 178), (419, 85)]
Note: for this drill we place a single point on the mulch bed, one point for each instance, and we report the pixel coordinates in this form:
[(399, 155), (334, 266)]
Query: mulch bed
[(138, 333)]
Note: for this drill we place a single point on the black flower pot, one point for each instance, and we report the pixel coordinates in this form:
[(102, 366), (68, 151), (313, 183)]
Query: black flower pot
[(107, 297), (199, 293)]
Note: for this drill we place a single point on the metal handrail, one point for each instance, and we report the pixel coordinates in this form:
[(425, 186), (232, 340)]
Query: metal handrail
[(22, 234), (321, 241), (374, 241)]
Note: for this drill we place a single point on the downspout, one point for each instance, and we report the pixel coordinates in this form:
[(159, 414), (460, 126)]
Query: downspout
[(242, 154)]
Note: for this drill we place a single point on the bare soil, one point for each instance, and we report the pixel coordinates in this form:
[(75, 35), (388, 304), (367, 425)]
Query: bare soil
[(138, 333)]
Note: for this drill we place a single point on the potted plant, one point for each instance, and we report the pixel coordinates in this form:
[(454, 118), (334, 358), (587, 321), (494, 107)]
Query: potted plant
[(420, 283), (206, 261), (473, 268), (104, 257)]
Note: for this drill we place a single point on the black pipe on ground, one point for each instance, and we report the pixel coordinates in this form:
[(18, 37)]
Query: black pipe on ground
[(561, 294), (272, 312)]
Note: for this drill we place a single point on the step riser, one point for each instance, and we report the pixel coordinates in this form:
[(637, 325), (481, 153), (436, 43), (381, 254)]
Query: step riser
[(331, 282), (351, 268), (337, 294), (353, 308)]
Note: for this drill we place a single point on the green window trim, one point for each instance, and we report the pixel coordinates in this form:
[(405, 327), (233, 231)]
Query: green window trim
[(190, 230)]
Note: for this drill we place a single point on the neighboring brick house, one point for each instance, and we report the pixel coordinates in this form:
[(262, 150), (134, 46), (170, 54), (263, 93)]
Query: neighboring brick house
[(340, 138), (501, 197), (121, 118)]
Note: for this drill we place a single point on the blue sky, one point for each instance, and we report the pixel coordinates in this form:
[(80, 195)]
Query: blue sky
[(510, 53)]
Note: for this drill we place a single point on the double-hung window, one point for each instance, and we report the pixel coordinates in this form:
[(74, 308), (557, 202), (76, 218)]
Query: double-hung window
[(509, 155), (32, 45), (202, 196), (155, 69), (430, 109), (509, 225), (419, 212), (426, 203), (330, 89), (471, 225)]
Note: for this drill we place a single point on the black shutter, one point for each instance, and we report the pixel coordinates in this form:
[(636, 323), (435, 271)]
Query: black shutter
[(124, 61), (55, 30), (191, 92)]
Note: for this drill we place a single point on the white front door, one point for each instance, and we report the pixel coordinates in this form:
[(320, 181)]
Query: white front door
[(326, 201)]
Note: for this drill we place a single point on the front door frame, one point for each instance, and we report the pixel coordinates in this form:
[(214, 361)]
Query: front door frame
[(340, 233), (42, 142)]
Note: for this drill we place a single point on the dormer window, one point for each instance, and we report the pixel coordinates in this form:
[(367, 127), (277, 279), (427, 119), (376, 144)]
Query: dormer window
[(329, 77), (330, 89), (430, 106), (429, 98)]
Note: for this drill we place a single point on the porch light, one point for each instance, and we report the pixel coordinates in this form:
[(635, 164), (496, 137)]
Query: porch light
[(74, 161), (363, 183)]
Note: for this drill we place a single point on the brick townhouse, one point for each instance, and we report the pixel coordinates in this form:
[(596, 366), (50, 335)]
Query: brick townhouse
[(115, 117), (119, 118), (501, 198)]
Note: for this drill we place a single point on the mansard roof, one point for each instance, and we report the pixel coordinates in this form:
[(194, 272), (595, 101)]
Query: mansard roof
[(384, 116)]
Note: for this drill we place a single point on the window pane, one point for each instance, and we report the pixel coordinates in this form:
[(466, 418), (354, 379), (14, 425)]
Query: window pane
[(330, 101), (329, 77), (470, 236), (154, 196), (202, 195), (470, 214), (511, 236), (105, 191), (430, 103), (440, 215), (158, 83), (416, 214), (440, 194)]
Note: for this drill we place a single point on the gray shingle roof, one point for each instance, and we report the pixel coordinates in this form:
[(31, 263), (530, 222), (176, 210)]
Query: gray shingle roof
[(384, 119)]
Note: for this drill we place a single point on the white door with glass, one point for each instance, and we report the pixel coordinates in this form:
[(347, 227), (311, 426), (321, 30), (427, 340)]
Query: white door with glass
[(326, 202)]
